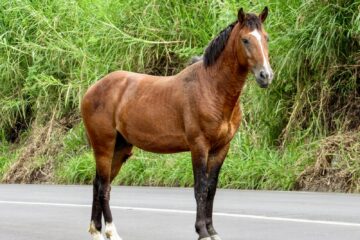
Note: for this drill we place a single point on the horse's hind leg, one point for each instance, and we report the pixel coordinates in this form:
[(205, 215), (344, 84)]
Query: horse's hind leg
[(96, 213), (103, 143), (103, 138), (122, 152)]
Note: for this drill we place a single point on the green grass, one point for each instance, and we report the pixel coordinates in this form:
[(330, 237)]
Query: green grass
[(51, 51), (7, 157)]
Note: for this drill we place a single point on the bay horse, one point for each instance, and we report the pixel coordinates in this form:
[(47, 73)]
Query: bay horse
[(196, 110)]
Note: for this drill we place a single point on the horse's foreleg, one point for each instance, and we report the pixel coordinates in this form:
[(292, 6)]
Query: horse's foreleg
[(215, 162), (199, 156)]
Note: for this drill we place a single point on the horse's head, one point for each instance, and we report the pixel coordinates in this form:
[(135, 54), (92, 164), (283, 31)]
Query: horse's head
[(252, 46)]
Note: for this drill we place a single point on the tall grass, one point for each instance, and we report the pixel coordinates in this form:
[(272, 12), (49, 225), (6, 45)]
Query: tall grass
[(319, 69)]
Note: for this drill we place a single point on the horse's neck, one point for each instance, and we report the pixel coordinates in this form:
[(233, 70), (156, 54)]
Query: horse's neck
[(227, 77)]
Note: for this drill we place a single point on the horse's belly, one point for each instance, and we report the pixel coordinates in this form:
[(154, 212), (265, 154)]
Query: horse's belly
[(153, 133), (159, 143), (156, 139)]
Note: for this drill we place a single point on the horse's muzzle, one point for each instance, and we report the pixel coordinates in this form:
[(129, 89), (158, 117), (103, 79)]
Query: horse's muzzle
[(264, 78)]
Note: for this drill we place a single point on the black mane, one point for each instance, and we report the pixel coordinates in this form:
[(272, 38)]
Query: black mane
[(217, 45)]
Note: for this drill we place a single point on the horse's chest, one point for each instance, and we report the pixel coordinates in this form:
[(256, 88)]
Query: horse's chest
[(220, 132), (224, 132)]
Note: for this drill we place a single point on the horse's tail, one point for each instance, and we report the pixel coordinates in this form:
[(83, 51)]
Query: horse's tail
[(195, 59)]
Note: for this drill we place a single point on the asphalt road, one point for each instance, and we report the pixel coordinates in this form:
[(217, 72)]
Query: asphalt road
[(62, 212)]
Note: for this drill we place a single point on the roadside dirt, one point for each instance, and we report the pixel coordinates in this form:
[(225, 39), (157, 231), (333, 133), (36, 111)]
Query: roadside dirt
[(35, 163), (337, 165)]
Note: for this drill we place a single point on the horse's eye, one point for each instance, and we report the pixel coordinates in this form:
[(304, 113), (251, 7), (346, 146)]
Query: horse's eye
[(267, 38), (245, 41)]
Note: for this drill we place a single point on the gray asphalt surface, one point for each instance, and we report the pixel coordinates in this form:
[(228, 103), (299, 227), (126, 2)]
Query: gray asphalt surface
[(62, 212)]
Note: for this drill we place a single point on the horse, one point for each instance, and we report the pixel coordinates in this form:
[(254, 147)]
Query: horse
[(196, 110)]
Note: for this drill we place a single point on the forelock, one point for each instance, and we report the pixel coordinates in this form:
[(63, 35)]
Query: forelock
[(252, 21)]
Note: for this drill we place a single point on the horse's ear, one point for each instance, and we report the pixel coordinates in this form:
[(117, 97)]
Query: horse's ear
[(241, 15), (263, 15)]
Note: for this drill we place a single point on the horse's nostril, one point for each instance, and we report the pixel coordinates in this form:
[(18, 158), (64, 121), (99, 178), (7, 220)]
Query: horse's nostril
[(262, 74)]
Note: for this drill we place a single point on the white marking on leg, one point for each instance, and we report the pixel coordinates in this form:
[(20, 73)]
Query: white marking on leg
[(110, 232), (96, 235), (266, 63), (215, 237)]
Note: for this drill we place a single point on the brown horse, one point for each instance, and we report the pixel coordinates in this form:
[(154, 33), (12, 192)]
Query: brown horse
[(196, 110)]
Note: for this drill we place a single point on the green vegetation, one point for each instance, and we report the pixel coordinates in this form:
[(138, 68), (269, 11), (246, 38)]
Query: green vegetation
[(51, 51), (6, 158)]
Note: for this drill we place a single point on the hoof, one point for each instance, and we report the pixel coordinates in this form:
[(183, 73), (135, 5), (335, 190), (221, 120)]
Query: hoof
[(215, 237), (110, 232)]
